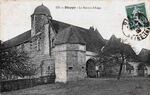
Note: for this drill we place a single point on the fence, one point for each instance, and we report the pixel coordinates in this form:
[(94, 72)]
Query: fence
[(25, 83)]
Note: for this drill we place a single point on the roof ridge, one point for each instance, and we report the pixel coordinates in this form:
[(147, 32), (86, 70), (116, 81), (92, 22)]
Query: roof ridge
[(143, 50), (24, 37), (18, 35), (70, 24)]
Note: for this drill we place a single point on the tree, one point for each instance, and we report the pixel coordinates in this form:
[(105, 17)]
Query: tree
[(15, 62), (106, 61), (117, 50)]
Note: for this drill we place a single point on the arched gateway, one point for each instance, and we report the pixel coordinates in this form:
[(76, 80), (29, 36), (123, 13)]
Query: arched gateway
[(90, 68), (63, 47), (142, 70)]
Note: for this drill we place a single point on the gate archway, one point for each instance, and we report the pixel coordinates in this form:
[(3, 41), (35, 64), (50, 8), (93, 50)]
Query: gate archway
[(142, 69), (90, 68)]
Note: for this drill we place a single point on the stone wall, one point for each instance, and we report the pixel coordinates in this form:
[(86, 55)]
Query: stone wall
[(76, 66), (70, 62), (37, 23), (46, 40), (43, 63), (90, 55), (60, 56), (40, 53), (41, 57), (136, 71), (148, 70)]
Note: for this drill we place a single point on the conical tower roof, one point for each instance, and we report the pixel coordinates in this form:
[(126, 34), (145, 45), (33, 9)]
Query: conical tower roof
[(42, 10)]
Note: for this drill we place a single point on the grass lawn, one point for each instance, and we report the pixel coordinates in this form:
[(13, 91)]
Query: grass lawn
[(132, 86)]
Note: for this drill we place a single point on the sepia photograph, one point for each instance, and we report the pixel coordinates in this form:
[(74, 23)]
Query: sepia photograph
[(74, 47)]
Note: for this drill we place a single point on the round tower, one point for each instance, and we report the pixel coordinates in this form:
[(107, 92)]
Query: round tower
[(39, 18), (40, 43)]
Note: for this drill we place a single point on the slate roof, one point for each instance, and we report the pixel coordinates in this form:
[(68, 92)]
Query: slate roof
[(69, 35), (66, 33), (112, 43), (24, 37), (115, 43), (144, 55), (92, 38), (42, 10), (129, 50), (59, 26)]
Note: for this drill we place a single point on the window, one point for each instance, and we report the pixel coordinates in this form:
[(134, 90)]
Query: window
[(30, 44), (70, 68), (22, 46), (48, 68), (38, 44), (52, 42)]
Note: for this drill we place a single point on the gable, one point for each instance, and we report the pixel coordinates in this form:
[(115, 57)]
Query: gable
[(144, 55), (69, 35), (94, 41)]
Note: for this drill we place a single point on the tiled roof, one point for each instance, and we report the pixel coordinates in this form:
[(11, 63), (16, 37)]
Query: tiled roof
[(69, 35), (59, 26), (113, 42), (130, 51), (92, 38), (144, 55), (42, 10), (114, 45), (24, 37), (65, 34)]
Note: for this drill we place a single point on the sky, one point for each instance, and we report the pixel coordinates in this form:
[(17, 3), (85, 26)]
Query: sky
[(105, 15)]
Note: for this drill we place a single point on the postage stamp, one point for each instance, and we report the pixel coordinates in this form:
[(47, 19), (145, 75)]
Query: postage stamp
[(136, 26), (74, 47)]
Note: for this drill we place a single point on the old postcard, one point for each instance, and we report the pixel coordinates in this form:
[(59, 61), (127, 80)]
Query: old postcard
[(74, 47)]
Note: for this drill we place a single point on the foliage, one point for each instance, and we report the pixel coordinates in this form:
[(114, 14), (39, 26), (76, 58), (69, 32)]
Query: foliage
[(115, 51), (15, 62)]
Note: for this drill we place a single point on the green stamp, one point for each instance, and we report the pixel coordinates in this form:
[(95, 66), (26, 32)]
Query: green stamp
[(137, 17), (136, 26)]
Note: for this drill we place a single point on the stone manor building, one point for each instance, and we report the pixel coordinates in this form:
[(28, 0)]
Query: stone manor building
[(57, 47)]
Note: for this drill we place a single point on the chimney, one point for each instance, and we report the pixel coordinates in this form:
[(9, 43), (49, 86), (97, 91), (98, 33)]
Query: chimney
[(91, 28)]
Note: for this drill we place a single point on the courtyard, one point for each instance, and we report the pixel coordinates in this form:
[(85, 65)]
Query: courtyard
[(90, 86)]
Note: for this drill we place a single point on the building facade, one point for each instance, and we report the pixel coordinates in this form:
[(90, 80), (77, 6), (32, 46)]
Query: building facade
[(57, 47), (64, 50)]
